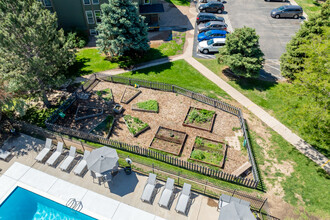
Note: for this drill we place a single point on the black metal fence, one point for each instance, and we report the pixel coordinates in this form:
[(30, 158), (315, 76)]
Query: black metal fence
[(156, 155)]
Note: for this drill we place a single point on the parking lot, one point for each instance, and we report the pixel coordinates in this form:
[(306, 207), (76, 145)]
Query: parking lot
[(274, 33)]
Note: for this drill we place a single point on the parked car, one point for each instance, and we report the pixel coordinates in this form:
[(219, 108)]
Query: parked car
[(275, 0), (211, 34), (206, 17), (211, 25), (216, 7), (212, 45), (206, 1), (287, 11)]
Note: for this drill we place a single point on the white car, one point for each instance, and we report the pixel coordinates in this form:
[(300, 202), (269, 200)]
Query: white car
[(212, 45)]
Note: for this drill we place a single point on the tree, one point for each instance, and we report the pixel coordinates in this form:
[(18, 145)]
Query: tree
[(122, 30), (312, 87), (292, 61), (34, 55), (242, 52)]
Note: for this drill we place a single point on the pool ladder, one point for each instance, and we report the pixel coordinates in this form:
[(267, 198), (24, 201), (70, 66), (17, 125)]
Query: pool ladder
[(74, 204)]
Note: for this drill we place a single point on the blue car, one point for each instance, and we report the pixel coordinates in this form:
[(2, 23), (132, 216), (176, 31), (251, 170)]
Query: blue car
[(211, 34)]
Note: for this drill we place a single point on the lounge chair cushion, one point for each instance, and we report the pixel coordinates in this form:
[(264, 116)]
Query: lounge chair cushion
[(165, 198), (42, 154), (152, 179), (53, 158), (147, 192), (182, 204), (186, 189), (4, 154), (80, 167)]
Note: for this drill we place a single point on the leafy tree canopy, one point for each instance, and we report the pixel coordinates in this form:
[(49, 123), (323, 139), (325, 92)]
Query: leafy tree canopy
[(34, 55), (122, 30), (242, 52)]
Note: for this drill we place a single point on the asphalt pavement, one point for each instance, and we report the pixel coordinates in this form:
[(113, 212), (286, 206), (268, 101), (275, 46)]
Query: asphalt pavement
[(274, 33)]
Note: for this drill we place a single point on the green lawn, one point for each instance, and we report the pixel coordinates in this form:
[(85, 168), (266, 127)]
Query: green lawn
[(308, 180), (89, 60), (269, 96), (179, 73), (179, 2), (311, 7)]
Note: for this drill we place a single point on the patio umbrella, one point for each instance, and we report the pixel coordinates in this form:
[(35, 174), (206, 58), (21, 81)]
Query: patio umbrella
[(102, 159), (235, 211)]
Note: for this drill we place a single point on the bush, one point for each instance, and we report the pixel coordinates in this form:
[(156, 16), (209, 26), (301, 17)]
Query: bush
[(78, 39), (198, 155)]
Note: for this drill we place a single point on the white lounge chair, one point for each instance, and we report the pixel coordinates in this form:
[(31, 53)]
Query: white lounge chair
[(56, 155), (82, 164), (149, 188), (4, 155), (69, 159), (184, 198), (167, 193), (42, 154)]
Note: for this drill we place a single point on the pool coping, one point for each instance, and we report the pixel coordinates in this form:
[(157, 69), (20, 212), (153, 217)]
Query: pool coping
[(15, 181)]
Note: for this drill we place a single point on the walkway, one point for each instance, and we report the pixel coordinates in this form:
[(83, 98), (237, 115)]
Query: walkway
[(272, 122)]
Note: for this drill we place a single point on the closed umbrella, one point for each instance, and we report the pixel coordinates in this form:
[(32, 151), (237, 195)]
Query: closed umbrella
[(102, 160)]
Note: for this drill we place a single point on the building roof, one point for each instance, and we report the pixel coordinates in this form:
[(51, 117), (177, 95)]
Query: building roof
[(151, 9)]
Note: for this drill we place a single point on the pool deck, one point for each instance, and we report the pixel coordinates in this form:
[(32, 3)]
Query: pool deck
[(119, 200)]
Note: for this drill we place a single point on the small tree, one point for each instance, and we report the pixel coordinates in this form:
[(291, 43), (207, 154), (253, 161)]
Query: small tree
[(34, 55), (242, 52), (122, 30)]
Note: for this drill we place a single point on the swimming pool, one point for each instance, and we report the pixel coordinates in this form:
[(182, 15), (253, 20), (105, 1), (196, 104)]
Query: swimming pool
[(23, 204)]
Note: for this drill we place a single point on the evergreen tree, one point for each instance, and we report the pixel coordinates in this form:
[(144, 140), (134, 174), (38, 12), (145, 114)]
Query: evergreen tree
[(242, 52), (34, 55), (122, 30), (292, 61)]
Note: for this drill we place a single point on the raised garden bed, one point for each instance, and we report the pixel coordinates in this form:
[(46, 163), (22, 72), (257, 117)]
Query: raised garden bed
[(129, 94), (209, 152), (147, 106), (105, 127), (84, 112), (168, 140), (135, 125), (106, 95), (199, 118)]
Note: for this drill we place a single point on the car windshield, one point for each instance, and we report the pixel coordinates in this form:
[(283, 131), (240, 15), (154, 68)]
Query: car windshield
[(207, 24), (209, 42), (280, 8), (208, 33)]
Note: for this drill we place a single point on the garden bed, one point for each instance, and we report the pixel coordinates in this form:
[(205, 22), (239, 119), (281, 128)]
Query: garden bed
[(209, 152), (129, 94), (147, 106), (105, 127), (106, 95), (168, 140), (199, 118), (84, 112), (135, 125)]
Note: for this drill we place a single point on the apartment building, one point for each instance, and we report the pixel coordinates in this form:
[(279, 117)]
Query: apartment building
[(86, 14)]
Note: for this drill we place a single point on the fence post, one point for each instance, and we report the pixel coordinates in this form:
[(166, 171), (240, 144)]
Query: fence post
[(179, 178), (205, 186), (234, 192), (153, 168)]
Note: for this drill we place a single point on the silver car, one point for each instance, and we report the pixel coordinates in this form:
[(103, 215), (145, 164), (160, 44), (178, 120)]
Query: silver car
[(211, 25), (212, 45)]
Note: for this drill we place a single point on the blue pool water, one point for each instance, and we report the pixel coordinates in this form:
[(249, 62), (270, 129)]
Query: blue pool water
[(22, 204)]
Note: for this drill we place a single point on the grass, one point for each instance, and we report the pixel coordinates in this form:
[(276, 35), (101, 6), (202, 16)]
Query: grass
[(269, 95), (151, 105), (103, 128), (90, 61), (135, 125), (311, 7), (179, 73), (200, 116), (179, 2), (207, 151), (105, 94), (308, 181)]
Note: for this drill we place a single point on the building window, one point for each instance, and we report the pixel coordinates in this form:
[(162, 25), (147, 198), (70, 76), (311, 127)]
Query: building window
[(93, 32), (87, 2), (97, 16), (48, 3), (95, 2), (90, 17), (146, 2)]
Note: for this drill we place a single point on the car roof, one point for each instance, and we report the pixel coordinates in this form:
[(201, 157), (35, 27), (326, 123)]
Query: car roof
[(292, 6), (214, 2), (217, 22), (203, 13), (218, 31), (219, 40)]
